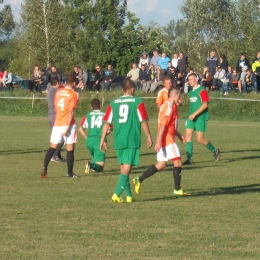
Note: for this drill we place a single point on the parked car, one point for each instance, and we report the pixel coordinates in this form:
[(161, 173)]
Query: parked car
[(20, 82)]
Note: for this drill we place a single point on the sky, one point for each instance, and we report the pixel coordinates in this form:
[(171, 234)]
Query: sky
[(159, 11)]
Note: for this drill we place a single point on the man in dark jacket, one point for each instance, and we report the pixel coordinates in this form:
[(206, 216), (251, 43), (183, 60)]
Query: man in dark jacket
[(212, 62), (242, 61), (109, 77), (55, 73), (250, 81)]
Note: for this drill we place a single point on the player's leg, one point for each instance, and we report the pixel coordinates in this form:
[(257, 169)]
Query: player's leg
[(126, 158), (201, 127), (70, 141), (189, 129)]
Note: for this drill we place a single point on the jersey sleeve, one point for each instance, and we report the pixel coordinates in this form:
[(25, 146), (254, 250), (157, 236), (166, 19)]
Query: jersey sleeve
[(84, 123), (159, 100), (204, 96), (108, 117), (142, 112)]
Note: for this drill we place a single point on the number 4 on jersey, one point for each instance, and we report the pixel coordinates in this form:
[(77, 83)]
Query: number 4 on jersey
[(96, 121), (61, 104)]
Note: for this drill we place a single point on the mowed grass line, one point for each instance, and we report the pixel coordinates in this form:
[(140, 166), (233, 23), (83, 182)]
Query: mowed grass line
[(61, 218)]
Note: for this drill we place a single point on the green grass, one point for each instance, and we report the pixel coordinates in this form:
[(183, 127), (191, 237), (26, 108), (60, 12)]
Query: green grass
[(61, 218)]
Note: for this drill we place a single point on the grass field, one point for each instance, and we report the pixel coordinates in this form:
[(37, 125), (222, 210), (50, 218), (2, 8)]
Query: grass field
[(63, 218)]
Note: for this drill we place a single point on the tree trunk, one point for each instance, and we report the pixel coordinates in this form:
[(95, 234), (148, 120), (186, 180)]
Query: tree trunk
[(46, 31)]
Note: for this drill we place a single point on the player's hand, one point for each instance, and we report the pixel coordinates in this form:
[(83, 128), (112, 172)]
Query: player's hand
[(149, 142), (183, 139), (157, 147), (103, 146), (66, 132), (192, 116)]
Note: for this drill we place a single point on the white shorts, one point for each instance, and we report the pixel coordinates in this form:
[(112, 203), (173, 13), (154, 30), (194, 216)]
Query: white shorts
[(57, 137), (169, 152)]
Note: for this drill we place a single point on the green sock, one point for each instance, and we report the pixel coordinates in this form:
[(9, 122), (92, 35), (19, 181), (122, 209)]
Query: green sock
[(96, 167), (121, 184), (128, 189), (211, 147), (189, 150)]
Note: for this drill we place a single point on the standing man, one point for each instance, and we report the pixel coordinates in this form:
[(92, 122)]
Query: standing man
[(65, 103), (166, 147), (163, 61), (212, 62), (197, 119), (128, 114), (55, 84), (155, 58)]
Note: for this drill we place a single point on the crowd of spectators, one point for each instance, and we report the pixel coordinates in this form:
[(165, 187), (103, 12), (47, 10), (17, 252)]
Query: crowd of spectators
[(149, 72)]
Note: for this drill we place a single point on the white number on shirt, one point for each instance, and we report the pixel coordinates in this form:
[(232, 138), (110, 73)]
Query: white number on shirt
[(96, 121), (123, 113), (61, 104)]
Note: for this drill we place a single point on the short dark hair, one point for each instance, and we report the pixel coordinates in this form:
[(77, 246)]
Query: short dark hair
[(70, 80), (95, 103), (54, 81), (166, 78), (127, 85)]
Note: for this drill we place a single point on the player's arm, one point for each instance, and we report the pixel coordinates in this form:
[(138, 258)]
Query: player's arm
[(205, 99), (83, 126), (158, 144), (81, 131), (105, 128), (70, 117), (180, 136), (145, 127)]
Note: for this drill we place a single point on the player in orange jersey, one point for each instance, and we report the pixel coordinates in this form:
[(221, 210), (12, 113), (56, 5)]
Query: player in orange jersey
[(65, 103), (165, 146)]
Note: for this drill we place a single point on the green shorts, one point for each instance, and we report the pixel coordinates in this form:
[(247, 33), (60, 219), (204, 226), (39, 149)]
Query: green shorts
[(198, 125), (93, 145), (128, 156)]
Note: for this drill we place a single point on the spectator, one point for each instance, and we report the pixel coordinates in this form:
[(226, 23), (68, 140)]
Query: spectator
[(212, 62), (186, 86), (98, 78), (163, 61), (133, 74), (55, 73), (159, 75), (223, 62), (229, 78), (175, 58), (250, 81), (206, 80), (173, 76), (235, 79), (1, 79), (76, 74), (155, 58), (219, 79), (242, 78), (151, 78), (37, 78), (46, 79), (143, 76), (83, 79), (180, 80), (182, 63), (7, 80), (168, 71), (144, 60), (242, 61), (256, 67), (109, 78)]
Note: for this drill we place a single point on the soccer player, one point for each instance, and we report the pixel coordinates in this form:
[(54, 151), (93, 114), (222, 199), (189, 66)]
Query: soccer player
[(165, 146), (197, 119), (65, 102), (128, 114), (55, 84), (93, 121)]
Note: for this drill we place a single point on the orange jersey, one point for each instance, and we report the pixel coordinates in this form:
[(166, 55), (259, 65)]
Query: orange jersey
[(163, 96), (65, 99), (167, 117)]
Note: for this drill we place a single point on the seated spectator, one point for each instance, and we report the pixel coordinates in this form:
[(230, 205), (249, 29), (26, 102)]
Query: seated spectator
[(159, 75), (55, 73), (242, 78), (186, 86), (175, 58), (168, 71), (173, 76), (1, 79), (250, 81), (76, 74), (46, 80), (151, 78), (206, 80), (229, 78), (219, 78), (133, 74), (155, 58), (7, 80), (83, 79), (163, 61), (36, 77), (108, 78), (144, 60), (235, 79), (98, 78), (143, 76)]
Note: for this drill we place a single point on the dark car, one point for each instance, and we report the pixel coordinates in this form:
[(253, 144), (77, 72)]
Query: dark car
[(22, 83)]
